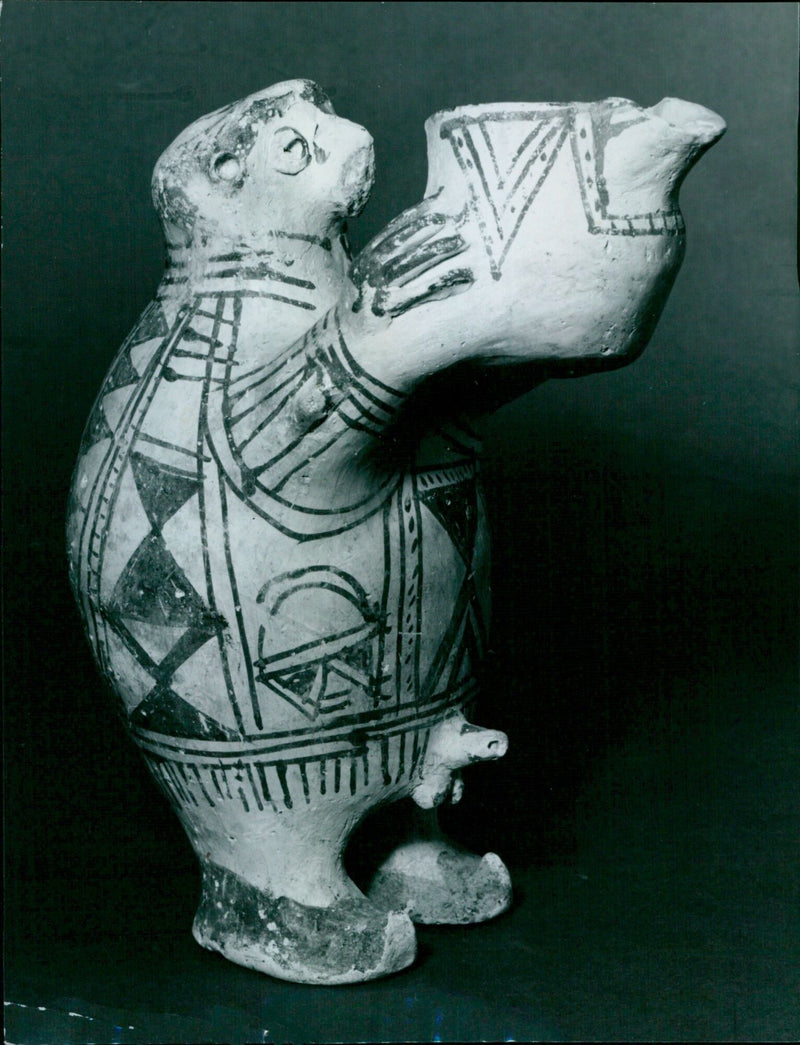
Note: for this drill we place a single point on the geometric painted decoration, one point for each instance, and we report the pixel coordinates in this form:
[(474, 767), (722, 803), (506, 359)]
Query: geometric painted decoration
[(159, 616), (322, 676), (455, 506), (503, 178)]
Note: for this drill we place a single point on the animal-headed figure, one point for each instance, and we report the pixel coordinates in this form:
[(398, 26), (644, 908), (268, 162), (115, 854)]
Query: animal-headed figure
[(276, 534), (281, 564)]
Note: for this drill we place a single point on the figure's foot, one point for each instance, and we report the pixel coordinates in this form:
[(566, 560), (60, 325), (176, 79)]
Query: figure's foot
[(439, 884), (350, 941)]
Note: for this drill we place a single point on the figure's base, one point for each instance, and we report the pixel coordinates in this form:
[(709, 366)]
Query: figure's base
[(441, 885), (352, 941)]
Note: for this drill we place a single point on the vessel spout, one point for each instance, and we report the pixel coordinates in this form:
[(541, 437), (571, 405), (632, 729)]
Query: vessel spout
[(699, 125)]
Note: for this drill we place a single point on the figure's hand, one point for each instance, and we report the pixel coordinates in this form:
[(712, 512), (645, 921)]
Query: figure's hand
[(410, 262)]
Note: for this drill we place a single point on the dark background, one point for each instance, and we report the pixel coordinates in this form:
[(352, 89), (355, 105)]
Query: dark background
[(644, 527)]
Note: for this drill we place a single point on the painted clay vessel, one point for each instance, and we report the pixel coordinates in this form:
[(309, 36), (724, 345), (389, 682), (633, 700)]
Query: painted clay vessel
[(276, 534)]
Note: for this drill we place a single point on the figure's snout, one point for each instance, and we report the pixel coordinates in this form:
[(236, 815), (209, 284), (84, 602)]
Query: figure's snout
[(454, 743), (359, 173), (700, 125), (474, 744), (349, 147)]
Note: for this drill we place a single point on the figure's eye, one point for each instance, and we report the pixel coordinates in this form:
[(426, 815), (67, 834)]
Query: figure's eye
[(297, 148), (289, 151)]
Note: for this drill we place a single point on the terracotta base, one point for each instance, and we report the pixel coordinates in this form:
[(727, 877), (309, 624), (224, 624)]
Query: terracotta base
[(351, 941)]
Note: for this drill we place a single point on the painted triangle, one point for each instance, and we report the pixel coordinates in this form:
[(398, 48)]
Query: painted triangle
[(122, 372), (358, 657), (301, 682), (165, 712), (306, 703), (455, 508), (124, 541), (96, 430), (152, 324), (154, 589), (504, 173), (461, 648), (162, 490)]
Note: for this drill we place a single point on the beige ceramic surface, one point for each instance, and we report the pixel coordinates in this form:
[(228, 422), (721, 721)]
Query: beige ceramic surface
[(276, 531)]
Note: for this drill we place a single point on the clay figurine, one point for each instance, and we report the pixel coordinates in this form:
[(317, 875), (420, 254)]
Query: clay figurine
[(276, 534)]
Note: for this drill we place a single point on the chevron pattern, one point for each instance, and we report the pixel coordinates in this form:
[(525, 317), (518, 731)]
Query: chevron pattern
[(504, 170)]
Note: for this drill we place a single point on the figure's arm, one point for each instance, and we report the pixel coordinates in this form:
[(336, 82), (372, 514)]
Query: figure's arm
[(315, 428), (419, 259), (415, 260)]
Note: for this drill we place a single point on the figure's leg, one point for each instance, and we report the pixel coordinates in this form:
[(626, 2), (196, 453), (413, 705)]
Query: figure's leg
[(437, 881), (351, 940), (276, 897)]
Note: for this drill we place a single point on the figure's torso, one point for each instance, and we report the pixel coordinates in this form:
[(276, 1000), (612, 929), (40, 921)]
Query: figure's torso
[(235, 583)]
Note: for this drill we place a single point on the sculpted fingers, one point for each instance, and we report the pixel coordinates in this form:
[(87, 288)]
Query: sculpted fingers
[(406, 226), (389, 272), (412, 263), (395, 301), (407, 235)]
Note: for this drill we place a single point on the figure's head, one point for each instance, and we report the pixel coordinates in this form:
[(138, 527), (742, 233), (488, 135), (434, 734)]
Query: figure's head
[(279, 159)]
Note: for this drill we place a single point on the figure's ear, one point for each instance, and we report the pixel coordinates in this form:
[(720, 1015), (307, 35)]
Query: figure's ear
[(226, 167), (288, 151)]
